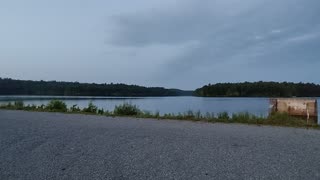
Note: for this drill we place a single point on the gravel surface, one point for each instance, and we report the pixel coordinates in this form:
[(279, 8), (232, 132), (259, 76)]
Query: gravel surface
[(62, 146)]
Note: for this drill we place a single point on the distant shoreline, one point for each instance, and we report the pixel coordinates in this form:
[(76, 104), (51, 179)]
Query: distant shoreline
[(75, 89), (54, 88), (259, 89)]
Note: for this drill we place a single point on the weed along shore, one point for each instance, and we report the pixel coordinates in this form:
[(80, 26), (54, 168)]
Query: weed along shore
[(130, 110)]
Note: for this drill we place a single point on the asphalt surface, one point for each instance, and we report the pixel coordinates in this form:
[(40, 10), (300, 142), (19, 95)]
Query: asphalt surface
[(60, 146)]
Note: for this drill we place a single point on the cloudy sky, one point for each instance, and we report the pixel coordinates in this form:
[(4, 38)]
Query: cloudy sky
[(172, 43)]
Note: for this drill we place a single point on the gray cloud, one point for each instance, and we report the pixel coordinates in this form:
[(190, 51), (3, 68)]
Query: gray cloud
[(245, 34)]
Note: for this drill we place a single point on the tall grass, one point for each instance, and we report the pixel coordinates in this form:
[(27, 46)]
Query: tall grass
[(56, 106), (127, 109)]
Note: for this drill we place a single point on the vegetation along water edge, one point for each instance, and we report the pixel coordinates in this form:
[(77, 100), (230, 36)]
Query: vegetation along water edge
[(130, 110)]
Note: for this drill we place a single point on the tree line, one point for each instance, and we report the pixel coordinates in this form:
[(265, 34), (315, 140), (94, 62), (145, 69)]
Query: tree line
[(54, 88), (259, 89)]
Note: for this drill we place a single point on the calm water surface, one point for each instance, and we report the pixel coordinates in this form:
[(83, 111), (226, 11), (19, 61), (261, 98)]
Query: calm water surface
[(257, 106)]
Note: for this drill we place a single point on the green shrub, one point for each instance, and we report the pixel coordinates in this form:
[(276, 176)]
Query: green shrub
[(171, 116), (91, 108), (108, 113), (210, 116), (157, 114), (19, 105), (56, 106), (100, 111), (223, 116), (32, 107), (42, 107), (180, 116), (8, 105), (198, 115), (127, 109), (146, 114), (75, 108), (189, 115), (3, 106)]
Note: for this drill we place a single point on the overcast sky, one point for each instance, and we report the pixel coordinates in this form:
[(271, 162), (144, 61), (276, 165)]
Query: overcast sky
[(172, 43)]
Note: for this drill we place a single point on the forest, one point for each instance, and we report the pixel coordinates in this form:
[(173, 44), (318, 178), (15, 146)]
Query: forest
[(259, 89), (246, 89), (54, 88)]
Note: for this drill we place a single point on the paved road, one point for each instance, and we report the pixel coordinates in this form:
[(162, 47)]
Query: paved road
[(58, 146)]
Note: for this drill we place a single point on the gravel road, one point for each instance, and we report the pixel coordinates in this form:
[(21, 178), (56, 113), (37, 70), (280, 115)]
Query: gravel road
[(62, 146)]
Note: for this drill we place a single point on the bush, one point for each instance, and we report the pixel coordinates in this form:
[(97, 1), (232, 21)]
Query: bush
[(157, 114), (172, 116), (41, 107), (146, 114), (9, 105), (100, 111), (91, 108), (189, 115), (127, 109), (223, 116), (199, 115), (108, 113), (32, 107), (210, 116), (19, 105), (57, 106), (75, 108)]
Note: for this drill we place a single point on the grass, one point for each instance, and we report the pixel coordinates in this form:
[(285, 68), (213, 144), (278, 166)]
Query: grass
[(56, 106), (126, 109)]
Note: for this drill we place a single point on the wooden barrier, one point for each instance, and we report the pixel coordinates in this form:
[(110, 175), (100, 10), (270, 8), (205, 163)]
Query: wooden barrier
[(299, 107)]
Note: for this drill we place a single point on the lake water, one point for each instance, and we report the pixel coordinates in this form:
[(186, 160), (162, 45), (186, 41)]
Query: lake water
[(257, 106)]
